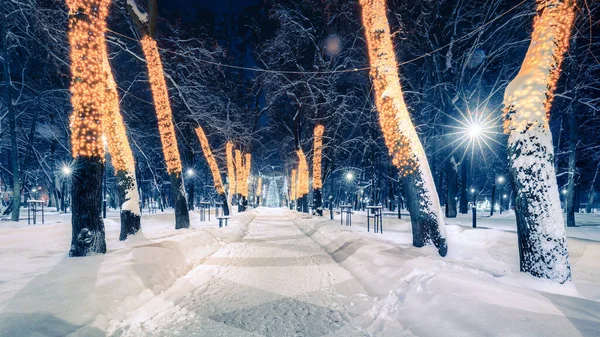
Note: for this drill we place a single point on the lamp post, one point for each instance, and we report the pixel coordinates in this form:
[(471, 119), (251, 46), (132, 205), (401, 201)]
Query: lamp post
[(474, 209), (66, 171), (500, 181), (190, 173)]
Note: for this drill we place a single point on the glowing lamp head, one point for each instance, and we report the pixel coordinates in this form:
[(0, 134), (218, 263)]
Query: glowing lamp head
[(475, 130), (67, 170), (190, 172), (472, 190), (504, 196), (349, 176), (500, 179), (564, 191)]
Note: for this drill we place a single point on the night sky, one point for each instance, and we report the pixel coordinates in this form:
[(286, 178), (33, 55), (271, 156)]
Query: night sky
[(219, 6)]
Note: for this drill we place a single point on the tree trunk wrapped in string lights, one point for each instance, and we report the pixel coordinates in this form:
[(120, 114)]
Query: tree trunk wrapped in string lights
[(399, 133), (527, 99), (122, 157), (293, 188), (230, 171), (317, 181), (166, 129), (302, 188), (239, 183), (87, 26), (214, 168)]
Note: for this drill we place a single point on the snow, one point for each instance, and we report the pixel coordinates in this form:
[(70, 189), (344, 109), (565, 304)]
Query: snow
[(143, 17), (275, 272)]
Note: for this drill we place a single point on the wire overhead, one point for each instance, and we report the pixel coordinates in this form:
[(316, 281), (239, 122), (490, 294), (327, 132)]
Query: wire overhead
[(296, 72)]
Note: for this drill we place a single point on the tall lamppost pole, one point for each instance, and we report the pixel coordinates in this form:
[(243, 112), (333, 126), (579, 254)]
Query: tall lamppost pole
[(474, 208), (500, 181)]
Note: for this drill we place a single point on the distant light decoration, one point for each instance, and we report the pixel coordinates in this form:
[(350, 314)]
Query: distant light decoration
[(114, 128), (162, 106), (66, 170), (333, 45), (246, 174), (87, 28), (399, 133), (302, 174), (190, 172), (349, 176), (500, 180), (317, 155), (239, 171), (259, 186), (212, 162), (293, 185), (230, 167)]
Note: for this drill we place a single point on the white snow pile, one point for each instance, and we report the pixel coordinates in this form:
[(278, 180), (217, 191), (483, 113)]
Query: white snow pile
[(275, 272), (477, 290), (45, 293)]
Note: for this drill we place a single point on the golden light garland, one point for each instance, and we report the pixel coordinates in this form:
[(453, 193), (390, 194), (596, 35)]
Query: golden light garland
[(212, 163), (293, 186), (317, 155), (87, 26), (302, 174), (247, 167), (114, 127), (259, 187), (239, 171), (160, 95), (230, 167), (399, 133), (531, 93)]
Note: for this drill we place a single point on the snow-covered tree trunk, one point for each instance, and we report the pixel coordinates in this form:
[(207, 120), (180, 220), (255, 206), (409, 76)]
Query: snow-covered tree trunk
[(317, 180), (87, 23), (527, 100), (400, 135), (122, 158)]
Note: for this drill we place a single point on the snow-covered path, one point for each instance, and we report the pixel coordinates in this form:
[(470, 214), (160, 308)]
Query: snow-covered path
[(277, 281)]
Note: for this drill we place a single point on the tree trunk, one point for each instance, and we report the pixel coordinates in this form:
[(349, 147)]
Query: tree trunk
[(14, 149), (223, 199), (592, 191), (130, 207), (399, 133), (424, 223), (318, 202), (88, 236), (528, 98), (464, 201), (493, 198), (572, 166), (452, 181), (182, 217)]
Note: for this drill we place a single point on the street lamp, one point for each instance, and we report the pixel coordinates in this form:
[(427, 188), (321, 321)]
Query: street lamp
[(500, 181), (190, 172), (349, 176)]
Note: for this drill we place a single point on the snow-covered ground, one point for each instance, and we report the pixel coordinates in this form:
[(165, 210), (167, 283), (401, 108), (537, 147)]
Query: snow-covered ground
[(274, 272)]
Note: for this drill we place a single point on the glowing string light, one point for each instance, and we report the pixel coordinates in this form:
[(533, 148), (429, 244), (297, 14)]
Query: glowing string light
[(317, 155), (239, 171), (162, 106), (302, 174), (293, 185), (259, 186), (212, 163), (399, 133), (87, 28), (247, 168)]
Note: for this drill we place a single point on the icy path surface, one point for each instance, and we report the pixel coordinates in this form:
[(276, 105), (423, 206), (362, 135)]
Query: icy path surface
[(276, 281)]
